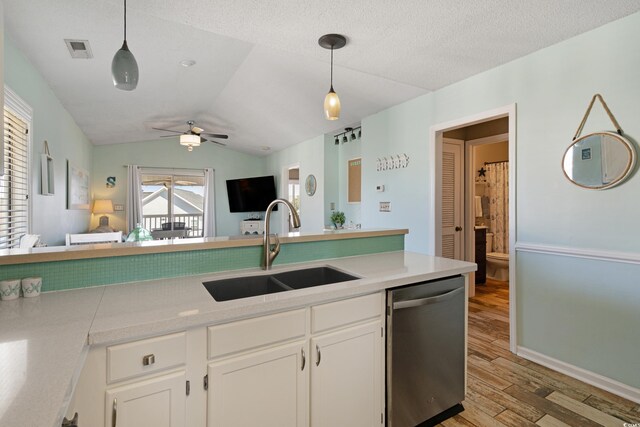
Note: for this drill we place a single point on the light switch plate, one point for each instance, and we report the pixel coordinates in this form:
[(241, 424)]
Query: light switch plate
[(385, 206), (118, 208)]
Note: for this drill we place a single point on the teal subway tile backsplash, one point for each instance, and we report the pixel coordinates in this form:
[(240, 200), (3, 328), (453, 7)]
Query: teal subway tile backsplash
[(61, 275)]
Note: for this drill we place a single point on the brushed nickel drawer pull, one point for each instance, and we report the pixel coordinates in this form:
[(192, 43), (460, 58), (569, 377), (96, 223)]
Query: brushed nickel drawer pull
[(114, 413), (149, 359)]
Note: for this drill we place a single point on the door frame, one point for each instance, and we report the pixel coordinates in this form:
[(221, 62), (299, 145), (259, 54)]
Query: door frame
[(435, 166), (284, 187)]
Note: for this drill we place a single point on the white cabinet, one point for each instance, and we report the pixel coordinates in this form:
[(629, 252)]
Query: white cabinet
[(156, 402), (321, 367), (346, 377), (265, 388), (313, 366)]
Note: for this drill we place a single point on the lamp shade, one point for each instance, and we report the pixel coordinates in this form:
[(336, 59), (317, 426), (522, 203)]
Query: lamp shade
[(332, 106), (124, 69), (102, 206)]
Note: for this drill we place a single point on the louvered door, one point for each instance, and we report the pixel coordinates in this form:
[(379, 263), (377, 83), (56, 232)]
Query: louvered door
[(452, 195)]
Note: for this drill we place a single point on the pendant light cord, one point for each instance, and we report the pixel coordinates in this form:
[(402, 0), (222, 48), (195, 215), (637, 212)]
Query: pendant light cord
[(125, 20), (331, 67)]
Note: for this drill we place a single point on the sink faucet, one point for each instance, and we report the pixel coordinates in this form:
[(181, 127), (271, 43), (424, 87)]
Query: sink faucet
[(270, 254)]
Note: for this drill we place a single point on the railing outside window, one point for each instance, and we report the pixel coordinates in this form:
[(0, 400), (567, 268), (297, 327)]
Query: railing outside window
[(192, 222)]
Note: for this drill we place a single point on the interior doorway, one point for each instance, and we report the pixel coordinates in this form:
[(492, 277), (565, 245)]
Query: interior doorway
[(291, 192), (465, 220)]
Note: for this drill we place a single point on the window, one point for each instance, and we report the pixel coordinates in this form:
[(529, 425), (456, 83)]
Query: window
[(174, 200), (14, 184)]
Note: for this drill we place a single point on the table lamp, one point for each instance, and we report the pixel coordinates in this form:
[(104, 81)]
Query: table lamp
[(103, 206)]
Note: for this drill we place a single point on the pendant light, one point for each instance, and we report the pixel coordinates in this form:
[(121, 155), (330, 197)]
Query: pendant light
[(124, 68), (331, 101)]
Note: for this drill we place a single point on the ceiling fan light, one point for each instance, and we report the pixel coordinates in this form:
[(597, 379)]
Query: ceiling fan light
[(124, 69), (190, 141), (332, 106)]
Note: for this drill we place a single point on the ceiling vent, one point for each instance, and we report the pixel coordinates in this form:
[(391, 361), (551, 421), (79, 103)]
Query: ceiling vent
[(79, 48)]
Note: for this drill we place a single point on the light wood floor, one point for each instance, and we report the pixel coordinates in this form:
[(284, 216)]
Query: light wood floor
[(506, 390)]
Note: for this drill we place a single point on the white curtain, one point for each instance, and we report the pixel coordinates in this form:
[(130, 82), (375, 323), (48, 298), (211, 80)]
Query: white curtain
[(209, 226), (134, 197), (498, 186)]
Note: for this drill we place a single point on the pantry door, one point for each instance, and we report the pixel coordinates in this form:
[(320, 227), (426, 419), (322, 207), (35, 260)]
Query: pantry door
[(452, 199)]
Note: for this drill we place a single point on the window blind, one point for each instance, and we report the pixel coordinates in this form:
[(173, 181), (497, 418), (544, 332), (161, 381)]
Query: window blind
[(14, 184)]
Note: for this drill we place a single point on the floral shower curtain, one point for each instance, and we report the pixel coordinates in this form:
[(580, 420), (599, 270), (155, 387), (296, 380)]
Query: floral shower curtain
[(498, 186)]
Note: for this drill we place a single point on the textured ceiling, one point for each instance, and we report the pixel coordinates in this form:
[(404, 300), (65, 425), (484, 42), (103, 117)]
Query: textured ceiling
[(260, 75)]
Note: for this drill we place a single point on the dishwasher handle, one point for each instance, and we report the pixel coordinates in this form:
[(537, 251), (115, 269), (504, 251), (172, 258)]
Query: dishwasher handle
[(425, 301)]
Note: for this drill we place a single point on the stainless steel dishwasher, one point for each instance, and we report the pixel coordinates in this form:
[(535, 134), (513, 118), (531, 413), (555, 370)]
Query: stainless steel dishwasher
[(425, 351)]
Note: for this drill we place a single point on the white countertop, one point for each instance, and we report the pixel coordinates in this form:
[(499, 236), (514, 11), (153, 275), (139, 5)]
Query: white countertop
[(44, 339)]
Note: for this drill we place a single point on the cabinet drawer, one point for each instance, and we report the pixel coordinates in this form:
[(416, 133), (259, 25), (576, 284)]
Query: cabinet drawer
[(145, 356), (258, 332), (335, 314)]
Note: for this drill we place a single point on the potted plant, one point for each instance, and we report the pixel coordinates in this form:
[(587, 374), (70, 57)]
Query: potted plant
[(338, 219)]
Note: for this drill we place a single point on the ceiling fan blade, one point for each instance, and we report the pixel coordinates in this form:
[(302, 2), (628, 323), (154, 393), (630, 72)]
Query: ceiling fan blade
[(203, 140), (216, 135), (167, 136), (218, 142), (168, 130)]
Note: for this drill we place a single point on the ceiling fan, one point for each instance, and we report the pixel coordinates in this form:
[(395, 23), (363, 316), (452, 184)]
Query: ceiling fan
[(194, 136)]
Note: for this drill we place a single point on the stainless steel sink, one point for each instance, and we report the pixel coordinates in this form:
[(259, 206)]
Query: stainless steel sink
[(251, 286)]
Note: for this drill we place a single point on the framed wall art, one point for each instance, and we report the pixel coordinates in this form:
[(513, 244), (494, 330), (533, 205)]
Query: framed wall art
[(77, 187)]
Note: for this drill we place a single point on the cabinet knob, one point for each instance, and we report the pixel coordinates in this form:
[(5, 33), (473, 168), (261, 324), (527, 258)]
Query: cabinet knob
[(458, 228), (149, 359)]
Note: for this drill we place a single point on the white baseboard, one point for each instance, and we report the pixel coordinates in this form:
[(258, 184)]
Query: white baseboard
[(597, 380)]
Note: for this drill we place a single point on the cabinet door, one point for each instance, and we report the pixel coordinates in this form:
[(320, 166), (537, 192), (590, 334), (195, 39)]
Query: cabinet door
[(156, 402), (346, 377), (264, 388)]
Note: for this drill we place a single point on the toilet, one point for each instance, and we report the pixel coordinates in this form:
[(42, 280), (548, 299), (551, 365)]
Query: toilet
[(497, 262)]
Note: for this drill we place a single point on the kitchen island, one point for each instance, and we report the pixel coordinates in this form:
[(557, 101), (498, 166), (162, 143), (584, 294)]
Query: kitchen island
[(47, 339)]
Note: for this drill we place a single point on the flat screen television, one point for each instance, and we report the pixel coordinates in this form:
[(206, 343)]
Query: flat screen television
[(251, 194)]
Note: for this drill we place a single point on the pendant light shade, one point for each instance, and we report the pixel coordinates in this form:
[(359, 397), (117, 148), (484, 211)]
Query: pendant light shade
[(331, 101), (124, 68), (332, 106)]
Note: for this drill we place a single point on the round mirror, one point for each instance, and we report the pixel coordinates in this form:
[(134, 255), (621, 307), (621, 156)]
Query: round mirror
[(599, 160)]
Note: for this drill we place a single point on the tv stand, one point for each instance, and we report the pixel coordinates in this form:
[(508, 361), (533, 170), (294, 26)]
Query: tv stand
[(252, 226)]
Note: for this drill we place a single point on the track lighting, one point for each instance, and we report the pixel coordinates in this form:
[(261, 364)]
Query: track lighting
[(349, 133), (331, 101), (124, 68)]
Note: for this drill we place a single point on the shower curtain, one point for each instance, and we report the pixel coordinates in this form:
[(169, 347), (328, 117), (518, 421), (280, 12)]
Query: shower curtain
[(498, 187)]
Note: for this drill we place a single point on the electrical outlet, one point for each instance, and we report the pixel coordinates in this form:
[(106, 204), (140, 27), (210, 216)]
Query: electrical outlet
[(118, 208), (385, 206)]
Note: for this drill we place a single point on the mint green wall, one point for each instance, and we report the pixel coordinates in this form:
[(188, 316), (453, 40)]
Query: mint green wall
[(578, 311), (110, 160), (310, 156), (349, 150), (331, 177), (51, 122)]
